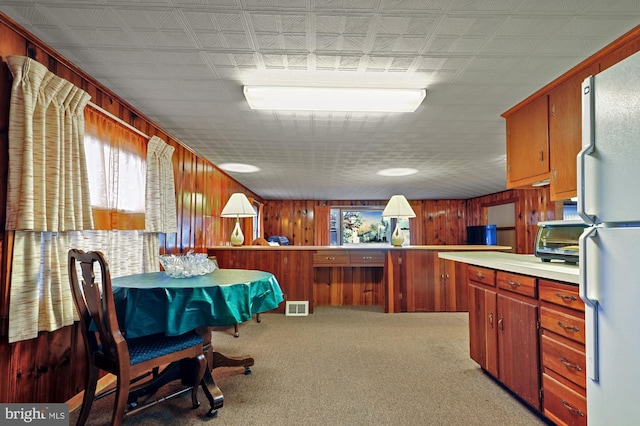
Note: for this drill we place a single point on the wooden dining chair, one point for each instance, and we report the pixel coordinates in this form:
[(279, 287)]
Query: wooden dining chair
[(141, 360)]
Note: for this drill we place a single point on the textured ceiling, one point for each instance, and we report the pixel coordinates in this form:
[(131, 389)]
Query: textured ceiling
[(183, 64)]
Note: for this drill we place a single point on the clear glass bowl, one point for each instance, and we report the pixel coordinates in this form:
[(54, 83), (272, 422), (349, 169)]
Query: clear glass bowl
[(187, 265)]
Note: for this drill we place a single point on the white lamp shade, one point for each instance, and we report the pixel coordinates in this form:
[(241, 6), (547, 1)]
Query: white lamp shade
[(238, 206), (398, 206)]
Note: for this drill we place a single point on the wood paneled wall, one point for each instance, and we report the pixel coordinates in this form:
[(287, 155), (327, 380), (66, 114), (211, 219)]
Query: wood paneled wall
[(436, 222), (531, 206), (50, 367)]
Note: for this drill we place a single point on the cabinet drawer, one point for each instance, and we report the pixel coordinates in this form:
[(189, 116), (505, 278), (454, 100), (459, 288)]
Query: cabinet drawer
[(563, 405), (568, 362), (482, 275), (517, 283), (560, 294), (364, 258), (569, 326), (331, 259)]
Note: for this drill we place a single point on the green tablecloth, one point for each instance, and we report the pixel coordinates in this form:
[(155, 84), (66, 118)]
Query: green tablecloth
[(156, 303)]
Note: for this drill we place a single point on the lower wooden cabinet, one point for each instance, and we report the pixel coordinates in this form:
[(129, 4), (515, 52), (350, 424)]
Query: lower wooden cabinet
[(528, 333), (562, 404), (563, 353), (502, 339), (483, 330), (519, 367)]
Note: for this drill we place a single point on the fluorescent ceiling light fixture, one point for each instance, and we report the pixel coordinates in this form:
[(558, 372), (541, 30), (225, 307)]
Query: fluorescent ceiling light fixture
[(239, 168), (333, 99), (400, 171)]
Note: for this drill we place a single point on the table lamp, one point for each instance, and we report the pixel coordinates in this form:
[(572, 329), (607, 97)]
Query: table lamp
[(238, 206), (398, 207)]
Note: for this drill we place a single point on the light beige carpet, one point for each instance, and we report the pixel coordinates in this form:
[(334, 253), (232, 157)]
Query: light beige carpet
[(347, 366)]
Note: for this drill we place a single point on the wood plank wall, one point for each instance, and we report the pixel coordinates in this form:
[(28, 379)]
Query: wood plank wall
[(50, 368), (531, 206), (436, 222)]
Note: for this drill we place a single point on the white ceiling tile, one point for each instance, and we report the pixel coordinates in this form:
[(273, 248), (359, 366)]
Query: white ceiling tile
[(183, 63)]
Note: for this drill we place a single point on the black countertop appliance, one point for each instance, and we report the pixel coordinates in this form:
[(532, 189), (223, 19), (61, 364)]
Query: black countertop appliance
[(482, 235)]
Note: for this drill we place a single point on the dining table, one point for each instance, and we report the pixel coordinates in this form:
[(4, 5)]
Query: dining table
[(155, 302)]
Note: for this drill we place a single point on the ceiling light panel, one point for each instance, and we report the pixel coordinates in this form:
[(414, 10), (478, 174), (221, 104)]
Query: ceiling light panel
[(333, 99)]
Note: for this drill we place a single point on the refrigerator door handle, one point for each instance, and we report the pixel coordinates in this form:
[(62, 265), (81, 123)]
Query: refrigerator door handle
[(591, 304), (588, 146)]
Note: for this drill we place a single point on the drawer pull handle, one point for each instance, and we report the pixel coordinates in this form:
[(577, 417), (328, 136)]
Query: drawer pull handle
[(491, 319), (568, 365), (568, 327), (570, 408), (501, 324), (513, 283), (331, 258), (566, 297), (480, 275), (367, 257)]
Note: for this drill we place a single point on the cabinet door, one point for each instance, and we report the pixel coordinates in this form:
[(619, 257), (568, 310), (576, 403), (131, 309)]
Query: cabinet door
[(483, 328), (528, 144), (454, 282), (518, 348), (565, 133)]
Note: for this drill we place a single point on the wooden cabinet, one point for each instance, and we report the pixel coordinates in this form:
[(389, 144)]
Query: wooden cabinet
[(366, 258), (428, 283), (544, 132), (565, 133), (331, 258), (528, 144), (501, 337), (518, 347), (563, 353), (483, 319), (518, 351), (348, 277)]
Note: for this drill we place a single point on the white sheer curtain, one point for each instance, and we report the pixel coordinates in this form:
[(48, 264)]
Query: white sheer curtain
[(160, 197), (47, 194)]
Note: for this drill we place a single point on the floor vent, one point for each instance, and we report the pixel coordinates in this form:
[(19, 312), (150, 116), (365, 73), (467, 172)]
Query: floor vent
[(297, 309)]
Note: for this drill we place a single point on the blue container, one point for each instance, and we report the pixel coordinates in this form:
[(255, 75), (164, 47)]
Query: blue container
[(482, 235)]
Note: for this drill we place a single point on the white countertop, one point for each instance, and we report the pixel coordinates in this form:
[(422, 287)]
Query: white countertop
[(518, 263)]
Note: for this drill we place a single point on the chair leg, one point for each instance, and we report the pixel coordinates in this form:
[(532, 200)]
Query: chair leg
[(89, 394), (202, 367), (258, 318), (120, 403)]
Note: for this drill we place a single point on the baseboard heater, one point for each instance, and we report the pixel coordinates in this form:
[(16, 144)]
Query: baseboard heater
[(296, 308)]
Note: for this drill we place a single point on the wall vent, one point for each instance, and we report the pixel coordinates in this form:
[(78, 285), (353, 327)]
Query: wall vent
[(296, 308)]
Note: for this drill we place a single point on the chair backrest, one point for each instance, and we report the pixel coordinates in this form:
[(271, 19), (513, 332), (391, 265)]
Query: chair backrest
[(93, 298)]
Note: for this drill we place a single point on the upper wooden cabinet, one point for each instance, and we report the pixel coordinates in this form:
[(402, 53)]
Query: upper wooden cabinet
[(528, 144), (544, 131), (565, 133)]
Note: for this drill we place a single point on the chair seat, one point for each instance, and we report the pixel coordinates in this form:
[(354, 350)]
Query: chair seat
[(142, 349)]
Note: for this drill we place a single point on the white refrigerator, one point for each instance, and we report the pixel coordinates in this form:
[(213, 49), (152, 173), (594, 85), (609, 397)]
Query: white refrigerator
[(609, 201)]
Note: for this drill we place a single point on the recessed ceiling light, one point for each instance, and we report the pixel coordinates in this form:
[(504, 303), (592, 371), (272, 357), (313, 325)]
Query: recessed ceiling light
[(333, 99), (239, 168), (400, 171)]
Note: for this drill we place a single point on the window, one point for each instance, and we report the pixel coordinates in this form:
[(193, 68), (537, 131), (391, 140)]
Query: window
[(363, 225), (116, 164)]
